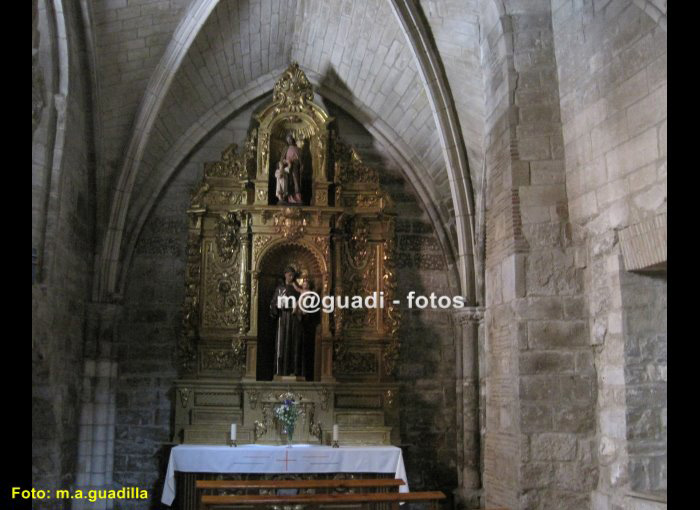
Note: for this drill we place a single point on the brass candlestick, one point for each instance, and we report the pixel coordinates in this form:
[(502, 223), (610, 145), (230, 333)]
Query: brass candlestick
[(233, 443), (335, 444)]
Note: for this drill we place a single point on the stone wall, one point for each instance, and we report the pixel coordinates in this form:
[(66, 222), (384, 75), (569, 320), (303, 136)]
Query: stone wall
[(63, 229), (426, 368), (571, 126), (537, 367), (644, 325), (151, 325), (152, 316), (611, 59), (497, 367)]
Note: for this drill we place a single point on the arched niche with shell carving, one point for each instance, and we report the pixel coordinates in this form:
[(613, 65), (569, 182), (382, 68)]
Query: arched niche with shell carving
[(293, 111)]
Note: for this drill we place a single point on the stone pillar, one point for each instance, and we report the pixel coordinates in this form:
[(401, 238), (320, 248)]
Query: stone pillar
[(98, 407), (468, 320)]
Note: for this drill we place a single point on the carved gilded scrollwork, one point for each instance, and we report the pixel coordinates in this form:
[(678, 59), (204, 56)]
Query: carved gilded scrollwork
[(226, 297), (360, 273), (253, 397), (368, 200), (314, 427), (224, 198), (221, 359), (321, 197), (291, 223), (233, 163), (350, 168), (238, 349), (389, 398), (358, 363), (325, 396), (290, 395), (184, 396), (187, 351), (243, 309), (227, 234), (265, 154), (259, 429), (222, 293), (322, 242), (228, 166), (293, 90), (250, 146), (259, 242), (391, 314)]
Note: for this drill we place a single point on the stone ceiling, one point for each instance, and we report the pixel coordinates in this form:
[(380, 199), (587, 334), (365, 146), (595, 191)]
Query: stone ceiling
[(169, 72)]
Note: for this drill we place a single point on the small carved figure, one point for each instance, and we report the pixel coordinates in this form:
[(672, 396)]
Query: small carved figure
[(292, 162), (282, 180)]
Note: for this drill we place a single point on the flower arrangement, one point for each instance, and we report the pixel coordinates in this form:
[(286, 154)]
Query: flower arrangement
[(287, 414)]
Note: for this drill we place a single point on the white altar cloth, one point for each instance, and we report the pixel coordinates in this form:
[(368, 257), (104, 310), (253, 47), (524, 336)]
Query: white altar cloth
[(299, 458)]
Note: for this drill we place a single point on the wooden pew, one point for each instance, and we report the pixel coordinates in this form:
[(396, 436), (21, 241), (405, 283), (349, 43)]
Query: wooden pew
[(381, 492), (328, 485), (393, 498)]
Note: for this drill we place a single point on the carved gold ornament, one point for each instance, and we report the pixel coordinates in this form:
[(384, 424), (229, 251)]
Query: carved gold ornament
[(219, 360), (237, 243), (253, 397), (358, 363), (392, 315), (350, 168), (259, 242), (293, 90), (389, 398), (290, 222), (232, 163), (227, 230), (184, 396), (259, 429)]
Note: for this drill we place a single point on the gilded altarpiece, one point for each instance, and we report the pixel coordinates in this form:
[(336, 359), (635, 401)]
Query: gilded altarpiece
[(240, 240)]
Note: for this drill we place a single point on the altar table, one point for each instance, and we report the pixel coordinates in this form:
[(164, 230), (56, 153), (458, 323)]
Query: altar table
[(268, 459)]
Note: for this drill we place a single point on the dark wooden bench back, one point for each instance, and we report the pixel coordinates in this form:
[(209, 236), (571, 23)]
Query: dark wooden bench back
[(393, 498)]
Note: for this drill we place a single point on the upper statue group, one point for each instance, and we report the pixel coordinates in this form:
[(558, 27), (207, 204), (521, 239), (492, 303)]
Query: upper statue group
[(288, 174)]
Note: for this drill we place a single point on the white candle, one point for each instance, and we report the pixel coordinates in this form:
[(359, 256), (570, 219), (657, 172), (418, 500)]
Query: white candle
[(233, 432), (335, 432)]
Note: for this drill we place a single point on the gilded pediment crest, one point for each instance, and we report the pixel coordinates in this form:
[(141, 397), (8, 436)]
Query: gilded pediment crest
[(293, 90)]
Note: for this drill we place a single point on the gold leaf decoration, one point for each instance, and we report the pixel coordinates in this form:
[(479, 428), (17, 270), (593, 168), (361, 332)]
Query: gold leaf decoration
[(293, 90)]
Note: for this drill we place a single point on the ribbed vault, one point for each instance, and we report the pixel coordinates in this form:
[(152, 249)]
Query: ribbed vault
[(362, 56)]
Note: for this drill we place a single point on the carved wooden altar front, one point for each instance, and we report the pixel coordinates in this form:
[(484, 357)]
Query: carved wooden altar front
[(240, 240)]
